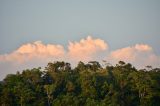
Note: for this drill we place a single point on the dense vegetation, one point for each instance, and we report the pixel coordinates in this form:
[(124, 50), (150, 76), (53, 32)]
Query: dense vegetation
[(86, 85)]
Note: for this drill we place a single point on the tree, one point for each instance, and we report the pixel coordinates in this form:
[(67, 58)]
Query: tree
[(49, 89), (87, 84), (24, 94)]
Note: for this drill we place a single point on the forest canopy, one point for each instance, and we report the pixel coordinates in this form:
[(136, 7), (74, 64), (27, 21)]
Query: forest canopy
[(88, 84)]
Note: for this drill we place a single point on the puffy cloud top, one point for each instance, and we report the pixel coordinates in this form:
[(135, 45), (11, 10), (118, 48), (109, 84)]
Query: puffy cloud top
[(39, 48), (86, 48), (34, 50), (83, 50), (140, 55), (39, 54), (130, 53), (143, 47)]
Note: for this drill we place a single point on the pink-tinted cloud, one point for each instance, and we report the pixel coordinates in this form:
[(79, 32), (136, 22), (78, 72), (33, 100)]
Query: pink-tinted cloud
[(86, 49), (140, 55), (143, 47), (38, 54), (35, 50)]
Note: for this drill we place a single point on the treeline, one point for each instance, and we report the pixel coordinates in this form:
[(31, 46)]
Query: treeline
[(86, 85)]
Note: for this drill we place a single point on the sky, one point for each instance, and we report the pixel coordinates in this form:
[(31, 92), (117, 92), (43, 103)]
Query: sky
[(33, 32)]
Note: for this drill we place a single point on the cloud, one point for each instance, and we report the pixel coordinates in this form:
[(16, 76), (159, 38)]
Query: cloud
[(38, 54), (143, 47), (34, 50), (29, 56), (86, 49), (139, 55)]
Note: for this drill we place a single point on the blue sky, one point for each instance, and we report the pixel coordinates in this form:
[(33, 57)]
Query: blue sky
[(122, 29), (119, 22)]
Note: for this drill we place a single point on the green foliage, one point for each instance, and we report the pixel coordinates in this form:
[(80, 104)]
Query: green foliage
[(86, 85)]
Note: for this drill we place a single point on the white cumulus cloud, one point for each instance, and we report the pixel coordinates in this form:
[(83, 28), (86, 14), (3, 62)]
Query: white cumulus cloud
[(34, 50), (139, 55), (39, 54), (86, 49)]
